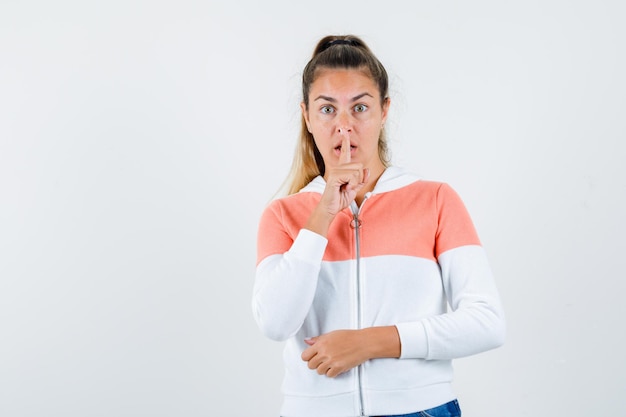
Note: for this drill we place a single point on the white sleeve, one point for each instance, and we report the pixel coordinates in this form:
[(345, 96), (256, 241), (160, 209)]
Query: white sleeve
[(285, 286), (476, 321)]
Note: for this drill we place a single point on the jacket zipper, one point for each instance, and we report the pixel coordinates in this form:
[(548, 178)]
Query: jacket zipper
[(356, 225)]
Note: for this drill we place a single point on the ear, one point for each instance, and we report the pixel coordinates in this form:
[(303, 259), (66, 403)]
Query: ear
[(385, 112), (305, 116)]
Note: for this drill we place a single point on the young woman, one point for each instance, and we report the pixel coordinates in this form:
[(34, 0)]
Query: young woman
[(375, 278)]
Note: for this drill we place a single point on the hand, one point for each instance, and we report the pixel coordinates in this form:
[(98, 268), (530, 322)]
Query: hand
[(342, 185), (336, 352), (343, 182)]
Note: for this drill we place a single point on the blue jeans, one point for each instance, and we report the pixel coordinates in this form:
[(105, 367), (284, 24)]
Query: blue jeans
[(450, 409)]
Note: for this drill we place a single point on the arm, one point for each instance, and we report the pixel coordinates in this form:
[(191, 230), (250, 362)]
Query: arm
[(339, 351), (288, 268), (476, 320), (285, 283)]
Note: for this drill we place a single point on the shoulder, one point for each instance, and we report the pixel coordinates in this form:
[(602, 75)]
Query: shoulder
[(290, 210), (308, 195), (293, 200), (442, 195), (401, 181)]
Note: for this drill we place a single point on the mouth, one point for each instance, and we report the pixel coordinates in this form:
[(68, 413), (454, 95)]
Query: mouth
[(338, 148), (352, 151)]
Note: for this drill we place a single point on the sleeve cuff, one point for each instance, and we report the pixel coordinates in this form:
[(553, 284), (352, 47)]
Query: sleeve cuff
[(308, 246), (413, 340)]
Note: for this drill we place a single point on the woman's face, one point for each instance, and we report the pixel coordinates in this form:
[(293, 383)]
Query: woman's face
[(346, 103)]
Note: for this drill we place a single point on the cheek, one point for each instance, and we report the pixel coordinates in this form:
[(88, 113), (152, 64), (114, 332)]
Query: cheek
[(321, 129), (373, 127)]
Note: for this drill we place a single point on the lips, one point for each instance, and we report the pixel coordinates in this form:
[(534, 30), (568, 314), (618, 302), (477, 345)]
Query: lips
[(338, 145), (352, 151)]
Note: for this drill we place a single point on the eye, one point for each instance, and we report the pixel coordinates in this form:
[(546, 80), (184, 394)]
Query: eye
[(327, 109), (360, 108)]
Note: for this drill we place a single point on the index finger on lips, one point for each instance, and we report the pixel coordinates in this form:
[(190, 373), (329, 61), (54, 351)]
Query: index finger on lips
[(344, 157)]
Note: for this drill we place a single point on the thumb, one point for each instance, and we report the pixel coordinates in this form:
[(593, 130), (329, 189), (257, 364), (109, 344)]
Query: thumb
[(310, 340)]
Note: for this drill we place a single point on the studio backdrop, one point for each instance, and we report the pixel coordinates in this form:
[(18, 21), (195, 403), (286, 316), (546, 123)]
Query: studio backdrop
[(140, 141)]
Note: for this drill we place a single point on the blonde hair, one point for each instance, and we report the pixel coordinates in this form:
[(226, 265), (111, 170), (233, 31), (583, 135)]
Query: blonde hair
[(348, 52)]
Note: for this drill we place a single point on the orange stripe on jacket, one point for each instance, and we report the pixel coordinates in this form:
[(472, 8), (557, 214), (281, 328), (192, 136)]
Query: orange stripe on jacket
[(422, 219)]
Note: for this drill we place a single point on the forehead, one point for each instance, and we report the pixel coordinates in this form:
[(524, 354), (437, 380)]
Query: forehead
[(339, 82)]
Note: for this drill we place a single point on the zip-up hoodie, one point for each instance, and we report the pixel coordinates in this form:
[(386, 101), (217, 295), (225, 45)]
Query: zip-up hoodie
[(409, 256)]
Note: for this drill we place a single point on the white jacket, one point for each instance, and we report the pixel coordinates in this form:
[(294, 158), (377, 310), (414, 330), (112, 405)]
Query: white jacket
[(415, 262)]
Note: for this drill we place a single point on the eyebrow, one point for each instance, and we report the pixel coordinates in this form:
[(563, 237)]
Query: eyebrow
[(333, 100)]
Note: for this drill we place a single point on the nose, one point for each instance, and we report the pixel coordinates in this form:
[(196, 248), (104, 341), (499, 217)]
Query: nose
[(344, 125), (342, 130)]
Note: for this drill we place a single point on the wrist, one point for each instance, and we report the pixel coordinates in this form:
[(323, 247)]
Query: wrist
[(319, 222), (382, 342)]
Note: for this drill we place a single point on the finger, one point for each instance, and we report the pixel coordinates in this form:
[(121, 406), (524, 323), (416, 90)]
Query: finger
[(366, 175), (316, 363), (357, 181), (308, 354), (310, 341), (323, 369), (344, 157)]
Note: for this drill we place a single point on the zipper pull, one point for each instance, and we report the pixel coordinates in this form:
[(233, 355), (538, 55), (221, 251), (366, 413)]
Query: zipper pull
[(355, 223)]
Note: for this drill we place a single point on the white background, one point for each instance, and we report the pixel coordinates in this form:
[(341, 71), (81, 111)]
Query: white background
[(140, 141)]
